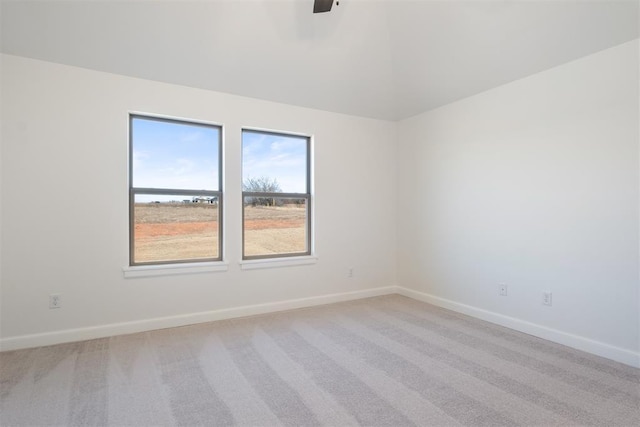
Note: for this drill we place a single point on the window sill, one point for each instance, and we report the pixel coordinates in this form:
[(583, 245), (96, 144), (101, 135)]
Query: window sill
[(173, 269), (254, 264)]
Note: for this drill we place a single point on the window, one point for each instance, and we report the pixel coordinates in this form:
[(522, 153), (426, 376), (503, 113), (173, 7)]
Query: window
[(276, 215), (175, 197)]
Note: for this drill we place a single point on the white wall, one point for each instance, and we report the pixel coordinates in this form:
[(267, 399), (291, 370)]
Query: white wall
[(65, 206), (534, 184)]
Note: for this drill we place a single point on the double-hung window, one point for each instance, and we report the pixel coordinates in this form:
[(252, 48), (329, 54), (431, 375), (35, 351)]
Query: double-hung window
[(175, 191), (276, 174)]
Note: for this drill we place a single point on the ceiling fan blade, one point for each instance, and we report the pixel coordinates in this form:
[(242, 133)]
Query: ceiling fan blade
[(320, 6)]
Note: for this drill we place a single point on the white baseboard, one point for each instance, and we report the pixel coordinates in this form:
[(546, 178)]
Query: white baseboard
[(618, 354), (79, 334)]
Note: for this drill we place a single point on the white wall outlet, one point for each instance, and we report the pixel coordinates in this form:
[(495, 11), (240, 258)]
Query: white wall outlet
[(546, 298), (350, 272), (55, 301), (502, 288)]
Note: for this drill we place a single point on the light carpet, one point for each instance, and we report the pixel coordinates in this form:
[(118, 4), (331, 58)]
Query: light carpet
[(385, 361)]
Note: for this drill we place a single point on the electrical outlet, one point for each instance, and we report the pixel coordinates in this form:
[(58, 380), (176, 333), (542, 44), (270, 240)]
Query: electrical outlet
[(502, 288), (546, 298), (55, 301), (350, 273)]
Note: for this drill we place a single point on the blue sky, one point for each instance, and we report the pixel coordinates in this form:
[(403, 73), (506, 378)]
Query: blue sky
[(279, 157), (185, 156), (174, 155)]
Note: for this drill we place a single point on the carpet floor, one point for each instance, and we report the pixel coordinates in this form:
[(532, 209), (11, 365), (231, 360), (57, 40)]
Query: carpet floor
[(385, 361)]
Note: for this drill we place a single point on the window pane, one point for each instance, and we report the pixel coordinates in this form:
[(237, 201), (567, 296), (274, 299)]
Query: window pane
[(167, 154), (276, 227), (274, 159), (175, 228)]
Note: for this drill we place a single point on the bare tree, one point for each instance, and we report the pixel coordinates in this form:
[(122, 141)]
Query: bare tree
[(262, 184)]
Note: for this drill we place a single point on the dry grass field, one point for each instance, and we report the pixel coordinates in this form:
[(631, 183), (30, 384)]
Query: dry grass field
[(177, 231), (274, 229)]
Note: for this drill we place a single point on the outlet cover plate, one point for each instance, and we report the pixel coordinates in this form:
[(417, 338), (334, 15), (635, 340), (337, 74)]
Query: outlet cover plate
[(502, 289), (55, 301)]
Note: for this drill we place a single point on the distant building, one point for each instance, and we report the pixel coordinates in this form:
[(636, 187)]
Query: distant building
[(208, 200)]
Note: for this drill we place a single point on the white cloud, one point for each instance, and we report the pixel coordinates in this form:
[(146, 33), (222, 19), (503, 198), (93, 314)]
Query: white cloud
[(138, 158), (191, 136)]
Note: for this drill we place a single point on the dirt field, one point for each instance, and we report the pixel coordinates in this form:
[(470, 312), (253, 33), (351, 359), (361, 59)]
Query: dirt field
[(165, 231)]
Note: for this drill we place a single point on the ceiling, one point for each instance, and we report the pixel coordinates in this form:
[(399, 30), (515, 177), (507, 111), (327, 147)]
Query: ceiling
[(381, 59)]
